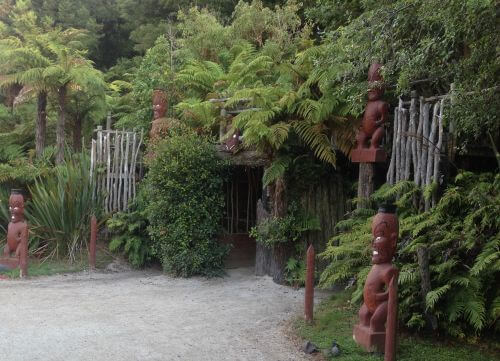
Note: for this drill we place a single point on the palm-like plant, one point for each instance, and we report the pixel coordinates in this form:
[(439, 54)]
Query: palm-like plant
[(45, 60), (22, 63), (70, 70)]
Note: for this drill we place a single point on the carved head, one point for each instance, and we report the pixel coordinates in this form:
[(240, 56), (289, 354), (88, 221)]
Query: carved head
[(16, 206), (159, 104), (376, 82), (385, 231)]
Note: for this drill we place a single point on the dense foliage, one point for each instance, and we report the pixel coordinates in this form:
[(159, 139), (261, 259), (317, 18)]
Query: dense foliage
[(463, 239), (129, 233), (185, 205)]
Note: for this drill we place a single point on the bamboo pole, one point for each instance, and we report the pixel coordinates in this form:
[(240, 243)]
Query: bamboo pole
[(120, 168), (126, 173), (408, 143), (132, 166), (417, 177), (390, 173), (425, 144), (99, 157), (135, 161), (92, 166), (437, 152), (115, 170), (430, 152), (108, 175), (413, 130), (398, 143), (403, 131)]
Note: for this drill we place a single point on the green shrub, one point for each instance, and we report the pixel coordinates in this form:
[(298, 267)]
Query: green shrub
[(186, 201), (462, 235), (130, 235)]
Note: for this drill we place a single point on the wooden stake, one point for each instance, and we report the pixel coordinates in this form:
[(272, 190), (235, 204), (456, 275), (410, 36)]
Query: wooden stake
[(309, 292)]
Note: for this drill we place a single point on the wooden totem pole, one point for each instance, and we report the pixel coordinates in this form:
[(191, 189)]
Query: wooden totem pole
[(376, 330), (370, 134), (16, 250)]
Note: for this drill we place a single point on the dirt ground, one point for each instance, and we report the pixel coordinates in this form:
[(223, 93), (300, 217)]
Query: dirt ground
[(146, 315)]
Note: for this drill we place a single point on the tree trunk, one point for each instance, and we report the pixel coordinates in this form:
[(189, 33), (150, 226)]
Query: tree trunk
[(365, 184), (263, 254), (41, 123), (425, 283), (61, 124), (77, 134), (281, 251)]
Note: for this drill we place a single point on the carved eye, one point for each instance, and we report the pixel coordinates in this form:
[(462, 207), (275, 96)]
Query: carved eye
[(378, 239)]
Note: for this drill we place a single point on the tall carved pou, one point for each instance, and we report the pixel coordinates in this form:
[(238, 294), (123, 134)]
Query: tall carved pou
[(372, 126), (16, 250), (376, 330), (160, 124)]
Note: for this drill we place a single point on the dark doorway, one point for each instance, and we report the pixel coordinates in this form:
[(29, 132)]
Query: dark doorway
[(243, 190)]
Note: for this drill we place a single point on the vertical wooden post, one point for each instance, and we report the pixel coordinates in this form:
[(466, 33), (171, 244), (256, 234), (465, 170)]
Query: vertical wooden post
[(23, 257), (309, 293), (365, 184), (93, 241), (392, 321), (108, 121)]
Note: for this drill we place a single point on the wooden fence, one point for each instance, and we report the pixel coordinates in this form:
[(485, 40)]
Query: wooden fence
[(115, 157), (420, 141)]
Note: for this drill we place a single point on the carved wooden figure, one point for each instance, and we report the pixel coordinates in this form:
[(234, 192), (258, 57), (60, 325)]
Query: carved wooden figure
[(16, 250), (160, 123), (376, 330), (372, 126)]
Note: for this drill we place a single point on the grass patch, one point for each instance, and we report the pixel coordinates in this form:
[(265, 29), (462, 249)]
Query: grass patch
[(37, 268), (335, 318)]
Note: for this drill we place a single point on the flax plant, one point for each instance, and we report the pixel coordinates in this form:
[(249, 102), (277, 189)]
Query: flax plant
[(61, 207)]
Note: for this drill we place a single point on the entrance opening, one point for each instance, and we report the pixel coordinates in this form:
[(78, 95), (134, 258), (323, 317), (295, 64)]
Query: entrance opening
[(243, 189)]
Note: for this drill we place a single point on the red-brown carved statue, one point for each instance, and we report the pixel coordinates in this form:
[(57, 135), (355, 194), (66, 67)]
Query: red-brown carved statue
[(376, 330), (16, 250), (160, 123), (371, 131)]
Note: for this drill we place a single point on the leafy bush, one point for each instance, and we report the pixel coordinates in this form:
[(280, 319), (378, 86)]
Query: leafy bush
[(186, 202), (462, 235), (284, 229), (61, 206), (130, 235)]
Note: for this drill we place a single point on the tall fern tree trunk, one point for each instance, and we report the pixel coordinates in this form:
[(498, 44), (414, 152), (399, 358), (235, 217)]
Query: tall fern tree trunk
[(61, 124), (41, 123), (281, 251), (77, 134)]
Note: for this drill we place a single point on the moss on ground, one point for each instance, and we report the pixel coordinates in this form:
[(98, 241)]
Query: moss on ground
[(334, 320)]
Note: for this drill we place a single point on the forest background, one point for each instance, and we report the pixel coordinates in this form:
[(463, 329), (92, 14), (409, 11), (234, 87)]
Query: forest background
[(301, 67)]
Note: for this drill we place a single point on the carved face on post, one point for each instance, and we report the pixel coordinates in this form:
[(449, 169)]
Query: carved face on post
[(375, 80), (159, 104), (16, 207), (385, 230)]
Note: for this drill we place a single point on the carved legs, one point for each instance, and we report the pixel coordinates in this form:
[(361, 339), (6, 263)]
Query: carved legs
[(377, 137), (364, 316), (6, 250), (376, 321), (362, 139)]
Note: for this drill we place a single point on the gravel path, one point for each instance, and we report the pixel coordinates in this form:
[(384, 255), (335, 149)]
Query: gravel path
[(147, 316)]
